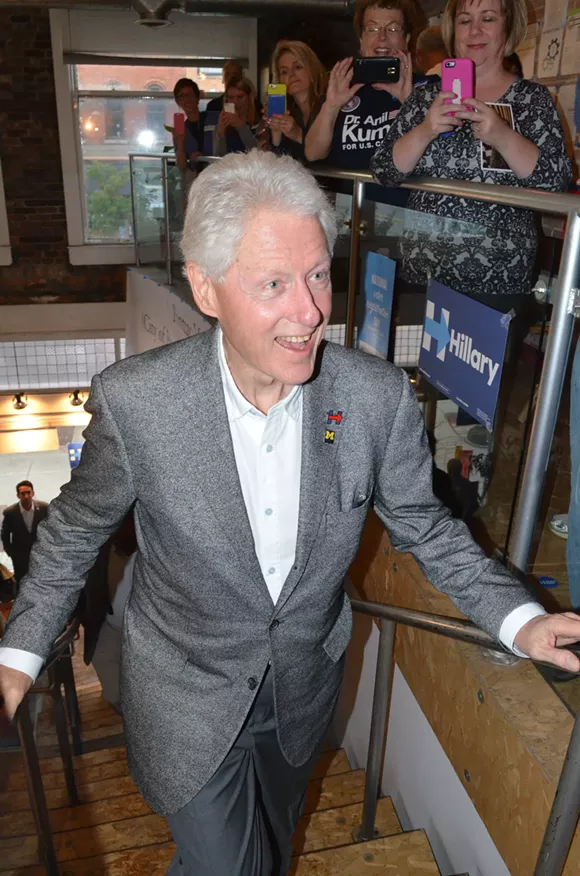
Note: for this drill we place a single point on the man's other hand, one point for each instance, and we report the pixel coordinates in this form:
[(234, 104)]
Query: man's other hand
[(540, 636), (14, 685)]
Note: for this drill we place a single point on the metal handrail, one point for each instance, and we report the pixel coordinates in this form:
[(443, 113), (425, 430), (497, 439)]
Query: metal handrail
[(555, 203), (565, 812)]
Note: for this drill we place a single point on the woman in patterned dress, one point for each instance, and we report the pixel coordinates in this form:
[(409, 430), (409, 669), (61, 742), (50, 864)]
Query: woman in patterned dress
[(482, 249)]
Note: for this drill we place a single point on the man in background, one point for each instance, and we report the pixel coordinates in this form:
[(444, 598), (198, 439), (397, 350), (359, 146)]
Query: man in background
[(19, 526), (430, 51)]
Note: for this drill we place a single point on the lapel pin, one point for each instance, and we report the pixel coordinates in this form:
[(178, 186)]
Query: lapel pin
[(329, 436), (334, 418)]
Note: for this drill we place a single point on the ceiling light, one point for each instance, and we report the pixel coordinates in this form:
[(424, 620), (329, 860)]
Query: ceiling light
[(19, 400), (76, 398)]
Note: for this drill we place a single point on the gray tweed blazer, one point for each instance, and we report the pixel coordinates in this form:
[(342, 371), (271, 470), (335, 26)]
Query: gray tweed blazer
[(200, 627)]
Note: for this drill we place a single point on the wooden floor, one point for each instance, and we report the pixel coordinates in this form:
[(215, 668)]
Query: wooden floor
[(114, 832)]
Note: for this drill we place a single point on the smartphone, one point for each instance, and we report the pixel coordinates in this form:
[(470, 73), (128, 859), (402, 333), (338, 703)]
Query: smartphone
[(376, 70), (229, 107), (178, 123), (458, 75), (276, 100)]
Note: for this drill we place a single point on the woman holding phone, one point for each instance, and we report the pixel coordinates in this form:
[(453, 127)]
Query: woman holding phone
[(354, 118), (233, 132), (188, 143), (295, 65), (484, 250)]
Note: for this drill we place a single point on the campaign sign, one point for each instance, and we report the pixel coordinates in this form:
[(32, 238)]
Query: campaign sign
[(74, 453), (373, 336), (463, 349)]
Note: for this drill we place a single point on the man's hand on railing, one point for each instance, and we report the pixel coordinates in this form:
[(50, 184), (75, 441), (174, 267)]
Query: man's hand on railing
[(14, 685), (540, 637)]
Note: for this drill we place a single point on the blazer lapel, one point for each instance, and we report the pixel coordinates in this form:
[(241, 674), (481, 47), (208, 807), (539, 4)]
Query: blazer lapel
[(213, 464), (323, 421)]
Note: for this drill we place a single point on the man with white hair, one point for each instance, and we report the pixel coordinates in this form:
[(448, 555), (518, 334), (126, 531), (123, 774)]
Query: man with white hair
[(277, 445)]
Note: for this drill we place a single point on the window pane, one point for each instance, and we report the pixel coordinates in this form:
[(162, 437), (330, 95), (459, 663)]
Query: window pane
[(111, 128)]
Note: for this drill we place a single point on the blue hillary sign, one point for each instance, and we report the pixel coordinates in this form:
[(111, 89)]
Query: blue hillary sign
[(463, 349), (373, 336), (74, 453)]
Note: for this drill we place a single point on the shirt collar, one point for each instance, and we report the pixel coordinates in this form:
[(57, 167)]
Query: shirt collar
[(24, 511), (238, 406)]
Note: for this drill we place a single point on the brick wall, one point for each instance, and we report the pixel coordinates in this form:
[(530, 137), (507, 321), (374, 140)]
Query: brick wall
[(30, 151)]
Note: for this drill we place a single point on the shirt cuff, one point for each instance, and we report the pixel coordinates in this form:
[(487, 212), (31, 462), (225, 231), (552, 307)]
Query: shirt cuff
[(24, 661), (513, 623)]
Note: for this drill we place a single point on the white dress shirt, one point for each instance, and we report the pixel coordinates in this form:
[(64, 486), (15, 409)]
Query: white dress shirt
[(28, 516), (268, 454)]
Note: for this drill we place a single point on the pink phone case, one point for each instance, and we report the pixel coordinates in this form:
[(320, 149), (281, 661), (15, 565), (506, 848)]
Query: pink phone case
[(178, 123), (457, 75)]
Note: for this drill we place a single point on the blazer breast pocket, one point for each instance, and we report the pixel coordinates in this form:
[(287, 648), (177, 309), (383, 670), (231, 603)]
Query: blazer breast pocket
[(339, 636)]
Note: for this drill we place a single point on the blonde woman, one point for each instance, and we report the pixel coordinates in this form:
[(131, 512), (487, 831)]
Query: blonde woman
[(233, 132), (295, 65)]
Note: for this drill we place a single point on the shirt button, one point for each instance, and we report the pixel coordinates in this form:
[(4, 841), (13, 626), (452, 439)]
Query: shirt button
[(269, 512), (271, 570), (274, 625), (252, 683), (269, 448)]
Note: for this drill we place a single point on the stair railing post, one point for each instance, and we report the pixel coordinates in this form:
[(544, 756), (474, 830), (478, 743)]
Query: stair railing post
[(381, 699), (563, 818)]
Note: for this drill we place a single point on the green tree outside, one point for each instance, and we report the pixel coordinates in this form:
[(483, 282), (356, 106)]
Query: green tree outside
[(108, 200)]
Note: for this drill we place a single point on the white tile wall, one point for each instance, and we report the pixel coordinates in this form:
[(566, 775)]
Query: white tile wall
[(26, 365)]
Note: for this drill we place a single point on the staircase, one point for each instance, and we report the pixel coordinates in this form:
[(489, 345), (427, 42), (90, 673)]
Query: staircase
[(114, 832)]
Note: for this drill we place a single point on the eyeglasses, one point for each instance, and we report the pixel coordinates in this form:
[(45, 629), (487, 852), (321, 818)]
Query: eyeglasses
[(375, 29)]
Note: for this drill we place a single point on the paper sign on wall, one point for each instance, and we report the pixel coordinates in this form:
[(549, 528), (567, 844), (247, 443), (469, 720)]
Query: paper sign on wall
[(373, 336)]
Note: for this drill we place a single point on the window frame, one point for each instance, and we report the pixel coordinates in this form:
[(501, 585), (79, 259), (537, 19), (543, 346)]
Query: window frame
[(5, 248), (62, 28)]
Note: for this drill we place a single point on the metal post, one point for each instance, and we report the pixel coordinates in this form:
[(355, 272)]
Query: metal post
[(117, 342), (36, 789), (358, 191), (381, 697), (62, 733), (133, 213), (563, 818), (548, 403), (166, 217), (71, 700)]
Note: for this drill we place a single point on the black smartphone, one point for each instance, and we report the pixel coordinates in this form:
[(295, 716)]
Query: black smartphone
[(376, 70)]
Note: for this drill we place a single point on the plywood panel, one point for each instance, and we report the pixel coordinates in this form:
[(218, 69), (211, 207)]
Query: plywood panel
[(502, 724), (334, 827), (407, 854)]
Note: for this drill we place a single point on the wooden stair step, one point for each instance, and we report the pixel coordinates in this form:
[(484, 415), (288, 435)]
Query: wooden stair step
[(74, 817), (405, 854), (57, 798), (331, 763), (334, 827), (335, 791), (150, 861), (83, 774), (131, 833)]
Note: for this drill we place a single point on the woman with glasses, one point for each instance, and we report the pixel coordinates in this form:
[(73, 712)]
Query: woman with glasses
[(354, 119)]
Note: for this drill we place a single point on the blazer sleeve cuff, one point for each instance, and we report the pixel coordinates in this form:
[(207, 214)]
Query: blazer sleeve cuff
[(24, 661)]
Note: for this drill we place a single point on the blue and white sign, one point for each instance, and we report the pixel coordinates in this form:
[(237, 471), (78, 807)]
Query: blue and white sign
[(373, 336), (74, 453), (463, 349)]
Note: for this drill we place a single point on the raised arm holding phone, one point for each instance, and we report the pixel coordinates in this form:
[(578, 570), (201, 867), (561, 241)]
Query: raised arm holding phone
[(355, 116)]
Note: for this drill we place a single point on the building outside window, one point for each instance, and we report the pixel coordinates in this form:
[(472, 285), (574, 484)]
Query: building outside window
[(123, 109)]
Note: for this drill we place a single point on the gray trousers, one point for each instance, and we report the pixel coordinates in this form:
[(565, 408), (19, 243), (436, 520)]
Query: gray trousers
[(241, 822)]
